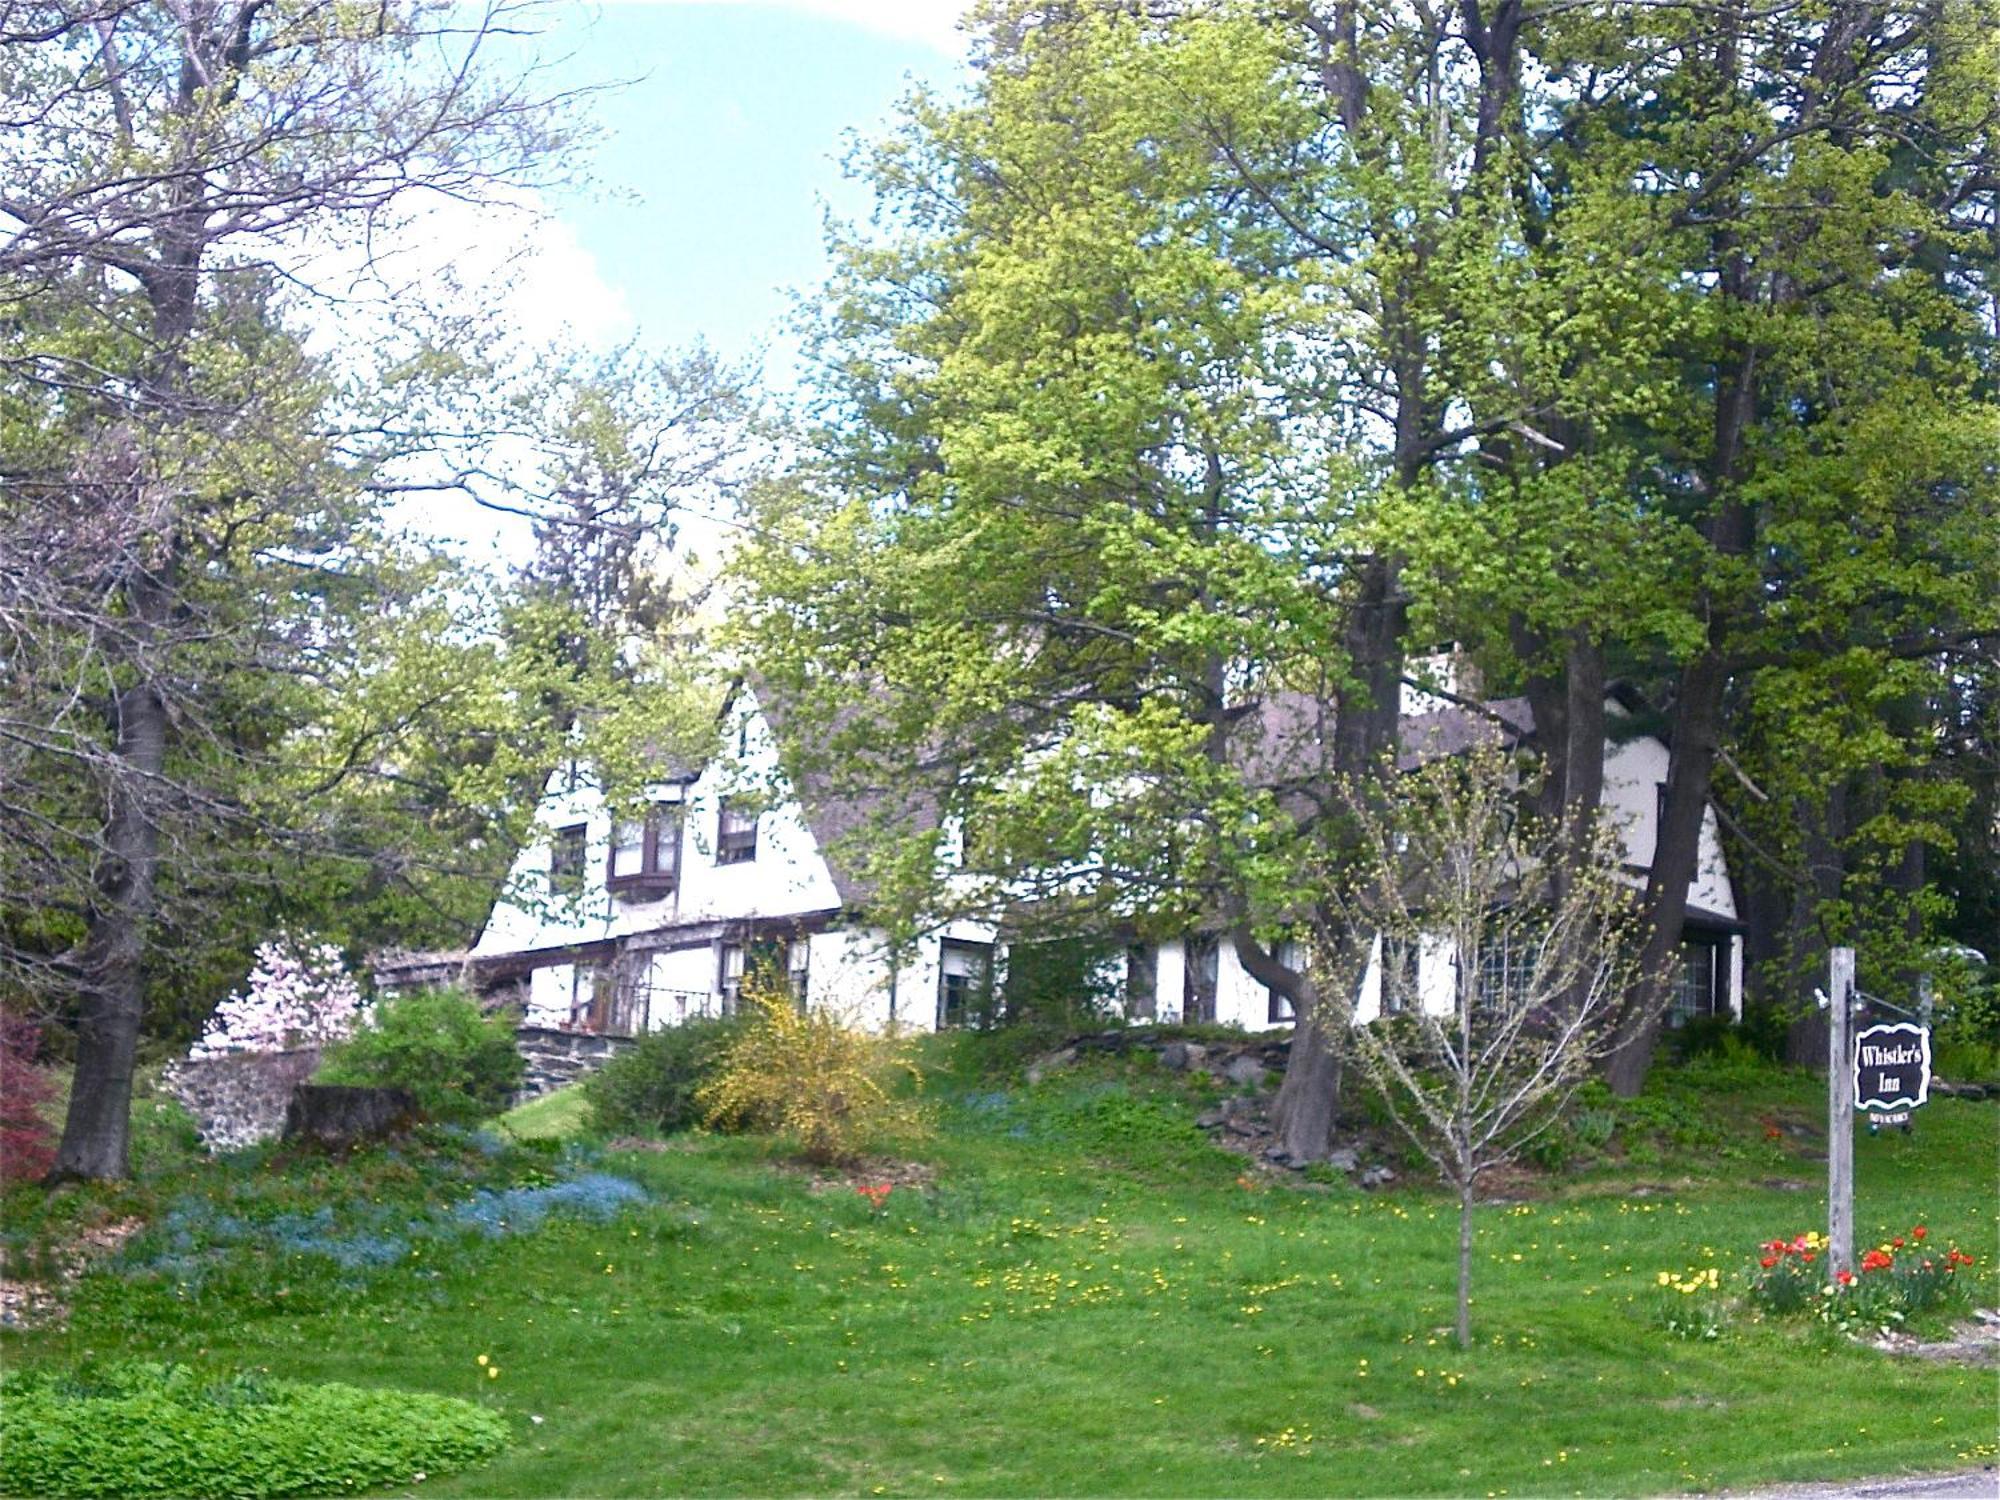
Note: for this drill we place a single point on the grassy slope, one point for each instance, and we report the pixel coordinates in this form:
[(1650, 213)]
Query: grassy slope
[(560, 1116), (1078, 1308)]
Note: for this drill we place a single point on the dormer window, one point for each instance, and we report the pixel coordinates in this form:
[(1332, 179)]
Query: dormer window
[(645, 853), (735, 834)]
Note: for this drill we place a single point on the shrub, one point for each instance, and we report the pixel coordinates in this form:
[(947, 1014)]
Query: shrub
[(1967, 1042), (652, 1088), (150, 1429), (27, 1140), (1057, 987), (811, 1077), (459, 1064)]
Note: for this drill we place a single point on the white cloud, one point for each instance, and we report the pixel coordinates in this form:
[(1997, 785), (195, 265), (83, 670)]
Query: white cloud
[(934, 23), (515, 258), (509, 270)]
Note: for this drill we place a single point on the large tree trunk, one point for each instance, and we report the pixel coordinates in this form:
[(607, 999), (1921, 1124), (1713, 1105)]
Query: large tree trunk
[(1695, 744), (1806, 1038), (97, 1132), (1676, 858), (1695, 736), (1365, 737), (1308, 1099)]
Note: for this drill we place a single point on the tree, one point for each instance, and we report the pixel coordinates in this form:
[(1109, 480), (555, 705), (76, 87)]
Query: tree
[(1498, 986), (1113, 425), (1214, 354), (1824, 453), (189, 535)]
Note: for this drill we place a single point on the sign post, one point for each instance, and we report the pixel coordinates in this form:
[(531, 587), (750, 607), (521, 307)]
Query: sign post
[(1840, 1115)]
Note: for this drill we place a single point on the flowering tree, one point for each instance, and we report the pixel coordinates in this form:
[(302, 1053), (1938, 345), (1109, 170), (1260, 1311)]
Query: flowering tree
[(27, 1144), (299, 994), (1503, 943)]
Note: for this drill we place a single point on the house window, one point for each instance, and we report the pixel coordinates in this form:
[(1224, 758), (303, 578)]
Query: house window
[(798, 956), (566, 861), (1694, 984), (1506, 965), (645, 852), (964, 983), (729, 976), (735, 835), (1279, 1008)]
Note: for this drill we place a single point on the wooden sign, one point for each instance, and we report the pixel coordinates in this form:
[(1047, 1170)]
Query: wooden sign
[(1892, 1067)]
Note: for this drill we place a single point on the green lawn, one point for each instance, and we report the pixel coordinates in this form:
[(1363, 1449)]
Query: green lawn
[(1084, 1300)]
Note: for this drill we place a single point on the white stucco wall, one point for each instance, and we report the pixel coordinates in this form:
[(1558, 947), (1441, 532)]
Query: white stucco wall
[(788, 877), (848, 973), (549, 993), (1633, 775)]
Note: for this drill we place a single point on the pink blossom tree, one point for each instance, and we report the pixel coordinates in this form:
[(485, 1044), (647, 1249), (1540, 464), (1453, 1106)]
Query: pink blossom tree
[(299, 994)]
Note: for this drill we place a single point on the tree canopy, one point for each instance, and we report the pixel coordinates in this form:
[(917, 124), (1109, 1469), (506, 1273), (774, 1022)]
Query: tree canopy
[(1216, 361)]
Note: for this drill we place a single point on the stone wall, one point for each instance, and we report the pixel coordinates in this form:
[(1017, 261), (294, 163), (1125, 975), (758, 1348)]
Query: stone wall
[(556, 1058), (239, 1099)]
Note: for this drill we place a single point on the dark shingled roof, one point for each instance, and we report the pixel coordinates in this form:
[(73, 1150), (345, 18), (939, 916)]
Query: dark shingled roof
[(1454, 729), (1287, 738), (837, 814)]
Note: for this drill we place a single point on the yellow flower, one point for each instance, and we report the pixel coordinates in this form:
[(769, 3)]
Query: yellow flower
[(481, 1360), (1664, 1278), (492, 1372)]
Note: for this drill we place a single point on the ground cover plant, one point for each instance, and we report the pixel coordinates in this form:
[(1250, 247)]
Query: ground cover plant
[(154, 1429), (1075, 1301)]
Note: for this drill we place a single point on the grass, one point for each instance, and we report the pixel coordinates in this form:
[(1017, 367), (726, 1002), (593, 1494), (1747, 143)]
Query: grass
[(562, 1115), (1086, 1299)]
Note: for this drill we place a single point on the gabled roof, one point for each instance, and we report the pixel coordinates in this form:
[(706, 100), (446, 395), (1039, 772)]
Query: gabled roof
[(836, 815), (1287, 739)]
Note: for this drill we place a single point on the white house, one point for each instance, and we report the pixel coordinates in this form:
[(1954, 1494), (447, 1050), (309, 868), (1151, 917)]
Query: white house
[(619, 928), (622, 925)]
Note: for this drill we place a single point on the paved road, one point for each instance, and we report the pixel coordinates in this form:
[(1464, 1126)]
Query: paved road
[(1968, 1484)]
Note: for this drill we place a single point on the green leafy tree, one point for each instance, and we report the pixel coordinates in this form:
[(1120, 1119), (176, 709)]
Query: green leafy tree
[(235, 695), (1098, 549)]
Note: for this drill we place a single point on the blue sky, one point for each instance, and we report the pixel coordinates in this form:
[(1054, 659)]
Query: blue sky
[(718, 161)]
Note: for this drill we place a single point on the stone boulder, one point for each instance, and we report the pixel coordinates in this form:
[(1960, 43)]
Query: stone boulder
[(333, 1114), (1245, 1071)]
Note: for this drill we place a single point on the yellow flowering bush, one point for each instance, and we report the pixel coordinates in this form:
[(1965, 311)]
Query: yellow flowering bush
[(812, 1077)]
